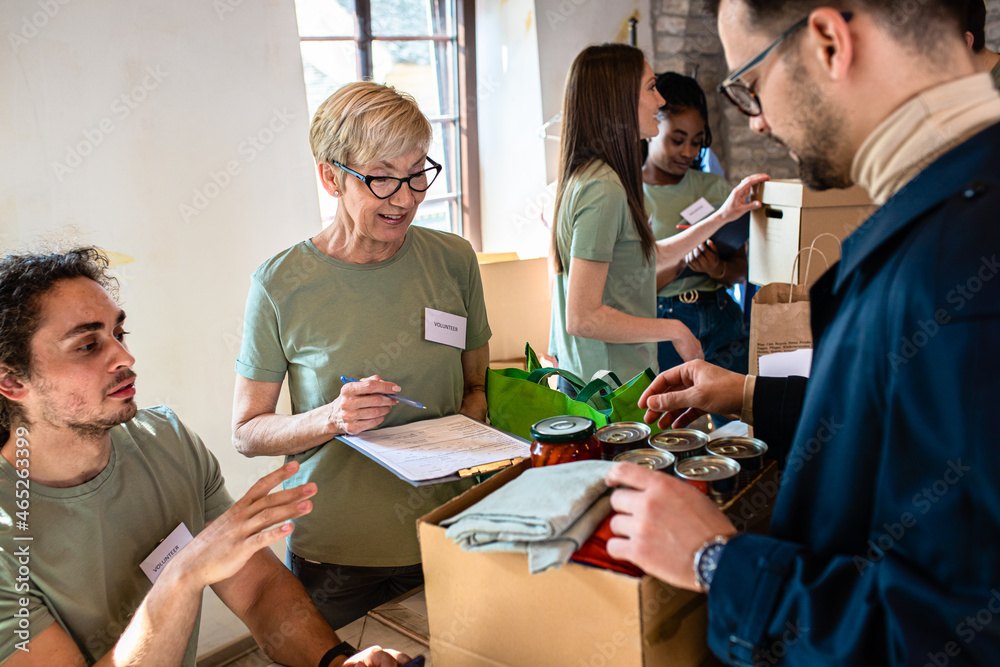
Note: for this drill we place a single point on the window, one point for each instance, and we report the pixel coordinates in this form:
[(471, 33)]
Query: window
[(413, 45)]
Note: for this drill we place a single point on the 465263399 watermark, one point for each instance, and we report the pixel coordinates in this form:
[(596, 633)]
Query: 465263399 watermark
[(22, 552)]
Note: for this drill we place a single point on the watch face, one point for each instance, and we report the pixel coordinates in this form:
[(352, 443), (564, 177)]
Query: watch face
[(709, 562)]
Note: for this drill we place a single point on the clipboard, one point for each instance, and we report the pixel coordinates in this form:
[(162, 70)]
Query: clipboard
[(436, 451), (727, 240)]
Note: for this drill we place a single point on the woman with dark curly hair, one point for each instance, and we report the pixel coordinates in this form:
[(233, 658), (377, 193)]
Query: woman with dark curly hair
[(673, 180)]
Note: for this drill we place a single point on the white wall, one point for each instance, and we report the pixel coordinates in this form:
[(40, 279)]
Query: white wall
[(540, 39), (118, 122), (566, 27), (511, 155)]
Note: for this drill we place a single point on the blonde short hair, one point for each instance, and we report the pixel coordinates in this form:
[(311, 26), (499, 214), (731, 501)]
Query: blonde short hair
[(364, 122)]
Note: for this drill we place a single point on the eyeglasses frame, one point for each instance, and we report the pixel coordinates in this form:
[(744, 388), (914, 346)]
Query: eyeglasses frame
[(733, 80), (367, 180)]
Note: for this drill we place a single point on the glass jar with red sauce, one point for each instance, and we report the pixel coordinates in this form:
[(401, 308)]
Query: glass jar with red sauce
[(564, 439)]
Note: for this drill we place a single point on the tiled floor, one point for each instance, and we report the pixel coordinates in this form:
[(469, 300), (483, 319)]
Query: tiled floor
[(362, 633)]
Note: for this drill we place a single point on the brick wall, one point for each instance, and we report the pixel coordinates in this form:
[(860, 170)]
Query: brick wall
[(685, 40)]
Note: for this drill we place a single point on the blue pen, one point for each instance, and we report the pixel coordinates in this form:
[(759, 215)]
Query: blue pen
[(401, 399)]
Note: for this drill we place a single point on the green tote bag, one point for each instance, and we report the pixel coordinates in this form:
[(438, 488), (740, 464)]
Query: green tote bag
[(517, 398)]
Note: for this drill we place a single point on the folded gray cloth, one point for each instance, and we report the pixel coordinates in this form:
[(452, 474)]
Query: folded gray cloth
[(544, 512)]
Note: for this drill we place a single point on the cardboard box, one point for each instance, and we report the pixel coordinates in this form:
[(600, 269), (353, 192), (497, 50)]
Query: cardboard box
[(518, 305), (793, 216), (486, 609)]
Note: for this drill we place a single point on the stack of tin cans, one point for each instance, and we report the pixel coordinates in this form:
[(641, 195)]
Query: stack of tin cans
[(748, 452), (719, 468)]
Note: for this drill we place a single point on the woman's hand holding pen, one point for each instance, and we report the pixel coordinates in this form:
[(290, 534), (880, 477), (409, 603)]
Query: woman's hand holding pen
[(362, 405)]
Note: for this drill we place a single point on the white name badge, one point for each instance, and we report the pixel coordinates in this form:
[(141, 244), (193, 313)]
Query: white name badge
[(697, 211), (171, 545), (444, 328)]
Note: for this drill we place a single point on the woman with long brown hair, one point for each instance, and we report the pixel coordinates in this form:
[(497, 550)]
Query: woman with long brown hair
[(605, 256)]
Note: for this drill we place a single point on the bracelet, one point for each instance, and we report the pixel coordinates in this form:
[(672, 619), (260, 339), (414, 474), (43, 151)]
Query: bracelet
[(343, 648), (721, 276)]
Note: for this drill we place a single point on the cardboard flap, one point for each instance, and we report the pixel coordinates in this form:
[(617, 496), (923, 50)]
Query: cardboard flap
[(793, 192)]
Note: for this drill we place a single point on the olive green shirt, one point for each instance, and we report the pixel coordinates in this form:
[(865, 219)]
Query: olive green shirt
[(595, 223), (75, 558), (995, 73), (664, 204), (315, 318)]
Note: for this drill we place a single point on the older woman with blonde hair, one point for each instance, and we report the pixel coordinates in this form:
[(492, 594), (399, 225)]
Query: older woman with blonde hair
[(352, 301)]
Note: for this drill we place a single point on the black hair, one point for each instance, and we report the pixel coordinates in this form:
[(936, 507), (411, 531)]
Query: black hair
[(24, 279), (681, 93), (600, 122), (920, 24), (975, 23)]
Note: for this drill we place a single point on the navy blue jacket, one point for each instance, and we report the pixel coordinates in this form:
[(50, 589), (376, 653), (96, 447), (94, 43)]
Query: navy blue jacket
[(884, 547)]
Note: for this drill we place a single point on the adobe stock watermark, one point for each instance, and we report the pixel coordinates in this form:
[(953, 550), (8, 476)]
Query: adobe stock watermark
[(121, 108), (563, 12), (957, 298), (775, 653), (32, 25), (22, 552), (966, 631), (922, 502), (224, 7), (607, 647), (247, 150)]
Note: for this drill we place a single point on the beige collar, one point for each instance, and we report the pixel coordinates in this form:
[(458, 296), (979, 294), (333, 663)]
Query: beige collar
[(922, 130)]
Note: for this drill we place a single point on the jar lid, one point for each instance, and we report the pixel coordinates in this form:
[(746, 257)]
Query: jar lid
[(561, 430)]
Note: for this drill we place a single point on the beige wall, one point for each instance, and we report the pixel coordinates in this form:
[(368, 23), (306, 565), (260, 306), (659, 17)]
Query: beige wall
[(174, 133)]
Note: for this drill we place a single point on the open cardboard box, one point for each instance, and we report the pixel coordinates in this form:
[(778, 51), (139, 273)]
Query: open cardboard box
[(518, 305), (486, 609), (791, 218)]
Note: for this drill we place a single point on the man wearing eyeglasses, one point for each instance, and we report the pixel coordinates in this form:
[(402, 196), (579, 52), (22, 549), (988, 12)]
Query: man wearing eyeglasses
[(883, 547)]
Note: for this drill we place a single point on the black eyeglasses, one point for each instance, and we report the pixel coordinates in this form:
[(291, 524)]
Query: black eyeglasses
[(384, 187), (738, 92)]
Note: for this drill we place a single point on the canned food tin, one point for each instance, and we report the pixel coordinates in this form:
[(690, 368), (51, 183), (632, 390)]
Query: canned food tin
[(715, 476), (622, 437), (564, 439), (748, 452), (653, 459), (683, 443)]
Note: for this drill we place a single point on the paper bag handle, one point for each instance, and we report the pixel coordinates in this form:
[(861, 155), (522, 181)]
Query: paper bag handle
[(811, 249)]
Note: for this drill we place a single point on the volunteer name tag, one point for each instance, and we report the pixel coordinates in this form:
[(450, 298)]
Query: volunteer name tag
[(444, 328), (178, 538), (697, 211)]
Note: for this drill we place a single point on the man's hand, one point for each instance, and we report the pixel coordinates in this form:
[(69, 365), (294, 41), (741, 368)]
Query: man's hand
[(226, 544), (683, 393), (661, 523), (376, 656)]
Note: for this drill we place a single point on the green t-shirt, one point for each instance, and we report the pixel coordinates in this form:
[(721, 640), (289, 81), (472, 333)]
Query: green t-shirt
[(88, 540), (995, 73), (595, 223), (664, 204), (317, 318)]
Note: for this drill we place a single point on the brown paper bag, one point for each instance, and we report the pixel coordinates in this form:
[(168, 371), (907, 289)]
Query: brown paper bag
[(779, 314), (779, 321)]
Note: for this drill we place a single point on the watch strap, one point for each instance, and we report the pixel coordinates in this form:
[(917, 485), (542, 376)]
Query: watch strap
[(343, 648)]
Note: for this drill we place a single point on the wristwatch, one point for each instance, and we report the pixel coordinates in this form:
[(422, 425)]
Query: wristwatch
[(706, 561), (340, 650)]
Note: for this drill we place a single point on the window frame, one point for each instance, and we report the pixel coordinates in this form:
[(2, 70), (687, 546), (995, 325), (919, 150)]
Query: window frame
[(466, 197)]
